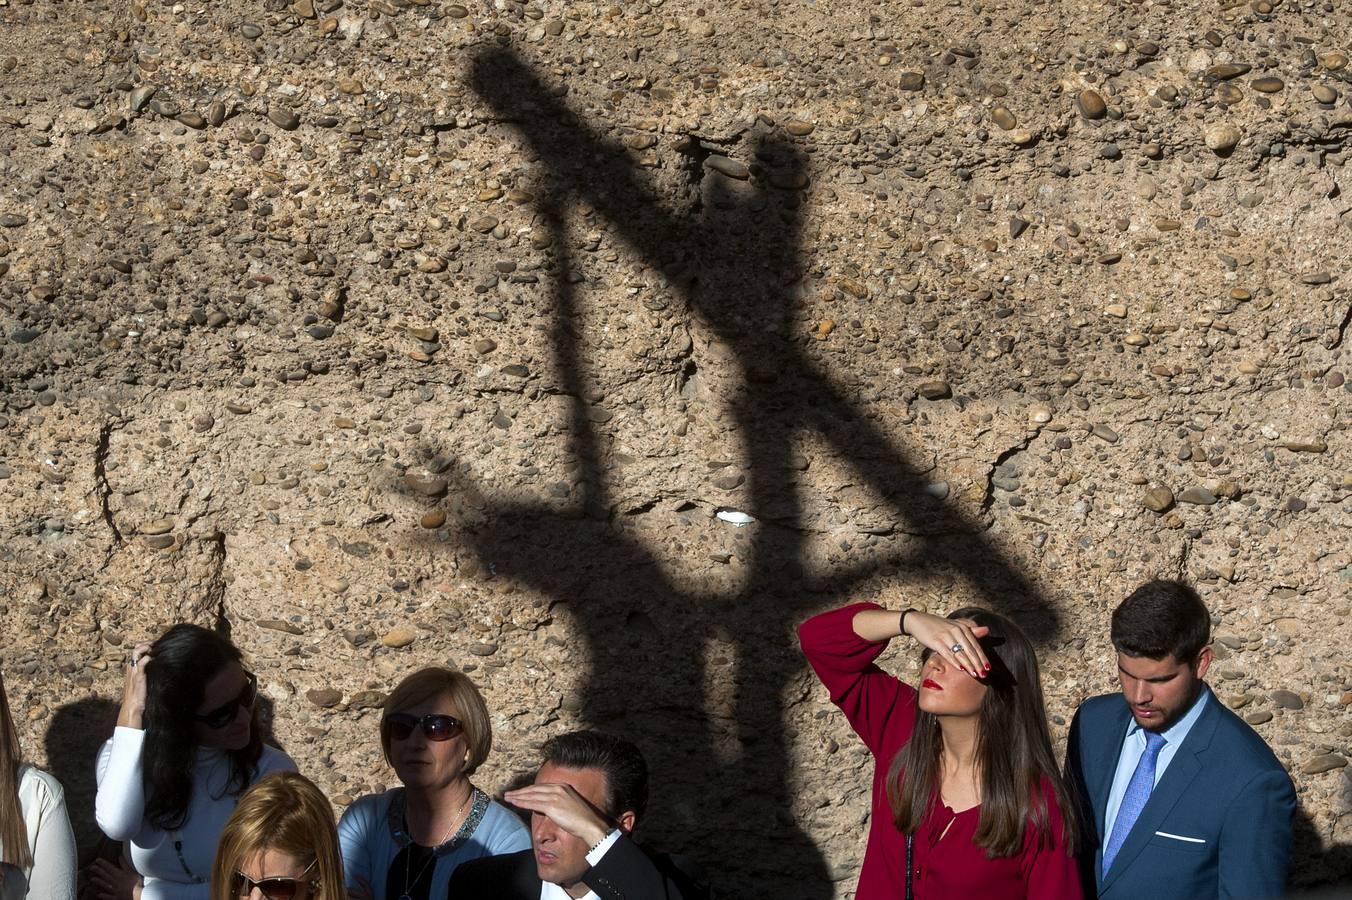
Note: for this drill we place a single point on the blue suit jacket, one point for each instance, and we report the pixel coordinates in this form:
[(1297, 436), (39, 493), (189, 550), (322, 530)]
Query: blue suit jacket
[(1218, 823)]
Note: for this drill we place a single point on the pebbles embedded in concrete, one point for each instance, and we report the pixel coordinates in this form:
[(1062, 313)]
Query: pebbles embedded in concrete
[(319, 316)]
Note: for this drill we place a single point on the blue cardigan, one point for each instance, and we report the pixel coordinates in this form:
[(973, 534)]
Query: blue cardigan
[(371, 834)]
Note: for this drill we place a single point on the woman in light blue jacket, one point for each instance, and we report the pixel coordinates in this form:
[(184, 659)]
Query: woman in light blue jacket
[(404, 844)]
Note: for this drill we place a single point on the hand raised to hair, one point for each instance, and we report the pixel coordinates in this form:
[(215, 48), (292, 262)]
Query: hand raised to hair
[(565, 806), (132, 712), (942, 635)]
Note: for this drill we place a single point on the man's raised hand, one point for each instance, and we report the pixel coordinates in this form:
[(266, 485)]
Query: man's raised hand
[(566, 807)]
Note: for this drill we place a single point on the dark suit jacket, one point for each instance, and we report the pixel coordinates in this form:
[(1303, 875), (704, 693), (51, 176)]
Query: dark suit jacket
[(626, 872), (1218, 823)]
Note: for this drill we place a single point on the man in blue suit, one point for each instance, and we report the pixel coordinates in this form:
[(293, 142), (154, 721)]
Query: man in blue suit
[(1178, 796)]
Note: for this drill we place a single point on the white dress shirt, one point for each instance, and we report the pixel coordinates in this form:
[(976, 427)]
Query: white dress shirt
[(1133, 746), (551, 891)]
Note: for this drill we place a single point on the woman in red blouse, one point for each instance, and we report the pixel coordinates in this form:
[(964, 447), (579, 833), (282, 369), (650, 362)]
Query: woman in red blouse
[(964, 766)]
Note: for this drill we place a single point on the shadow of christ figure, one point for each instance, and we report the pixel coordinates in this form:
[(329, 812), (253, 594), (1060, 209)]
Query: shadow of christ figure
[(732, 256)]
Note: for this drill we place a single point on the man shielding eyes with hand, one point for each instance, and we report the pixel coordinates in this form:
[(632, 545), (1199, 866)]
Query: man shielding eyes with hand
[(587, 797)]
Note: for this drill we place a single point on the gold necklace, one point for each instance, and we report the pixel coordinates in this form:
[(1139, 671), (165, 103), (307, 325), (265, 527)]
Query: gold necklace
[(408, 885)]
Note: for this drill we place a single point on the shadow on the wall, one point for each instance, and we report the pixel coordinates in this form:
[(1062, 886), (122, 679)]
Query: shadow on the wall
[(733, 256), (1318, 872), (266, 710), (74, 736)]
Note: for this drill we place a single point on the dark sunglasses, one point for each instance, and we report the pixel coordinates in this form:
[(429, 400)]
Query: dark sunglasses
[(223, 715), (271, 888), (434, 728)]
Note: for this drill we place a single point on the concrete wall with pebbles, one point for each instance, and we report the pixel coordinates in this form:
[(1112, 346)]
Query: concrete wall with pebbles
[(398, 332)]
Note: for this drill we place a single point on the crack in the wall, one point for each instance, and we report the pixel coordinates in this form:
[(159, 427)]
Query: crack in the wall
[(186, 493), (988, 498), (105, 490), (692, 167), (213, 601), (1342, 329), (1181, 567)]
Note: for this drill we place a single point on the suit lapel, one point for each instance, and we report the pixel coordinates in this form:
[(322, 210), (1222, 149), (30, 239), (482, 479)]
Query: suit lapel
[(1177, 779), (526, 882), (530, 882)]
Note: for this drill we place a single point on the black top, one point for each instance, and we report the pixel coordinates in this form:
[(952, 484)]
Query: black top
[(413, 868), (410, 875)]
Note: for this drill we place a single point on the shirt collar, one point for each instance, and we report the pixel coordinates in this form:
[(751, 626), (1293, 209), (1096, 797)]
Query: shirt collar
[(1177, 732)]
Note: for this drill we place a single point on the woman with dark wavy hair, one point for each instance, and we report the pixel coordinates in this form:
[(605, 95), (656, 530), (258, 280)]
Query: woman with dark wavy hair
[(967, 797), (37, 848), (187, 744)]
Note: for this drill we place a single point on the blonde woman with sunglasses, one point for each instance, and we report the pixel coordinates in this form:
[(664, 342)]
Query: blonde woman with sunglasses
[(186, 746), (404, 844), (279, 844)]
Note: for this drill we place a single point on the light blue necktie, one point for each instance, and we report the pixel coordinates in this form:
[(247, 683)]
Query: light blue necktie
[(1133, 801)]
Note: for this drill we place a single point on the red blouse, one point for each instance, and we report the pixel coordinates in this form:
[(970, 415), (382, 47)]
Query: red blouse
[(881, 709)]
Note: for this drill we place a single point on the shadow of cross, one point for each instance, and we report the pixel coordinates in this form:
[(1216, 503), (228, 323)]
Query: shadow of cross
[(657, 650)]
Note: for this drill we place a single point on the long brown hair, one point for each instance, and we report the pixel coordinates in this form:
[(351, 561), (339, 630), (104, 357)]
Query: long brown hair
[(1013, 752), (285, 812), (14, 849)]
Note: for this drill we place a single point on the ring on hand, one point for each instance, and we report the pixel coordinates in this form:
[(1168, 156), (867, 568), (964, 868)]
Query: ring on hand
[(956, 648)]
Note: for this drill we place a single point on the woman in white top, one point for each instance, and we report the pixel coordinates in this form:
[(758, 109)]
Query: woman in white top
[(37, 847), (404, 844), (187, 744)]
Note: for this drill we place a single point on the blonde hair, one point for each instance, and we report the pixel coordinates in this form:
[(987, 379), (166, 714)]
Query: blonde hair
[(436, 681), (14, 849), (285, 812)]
